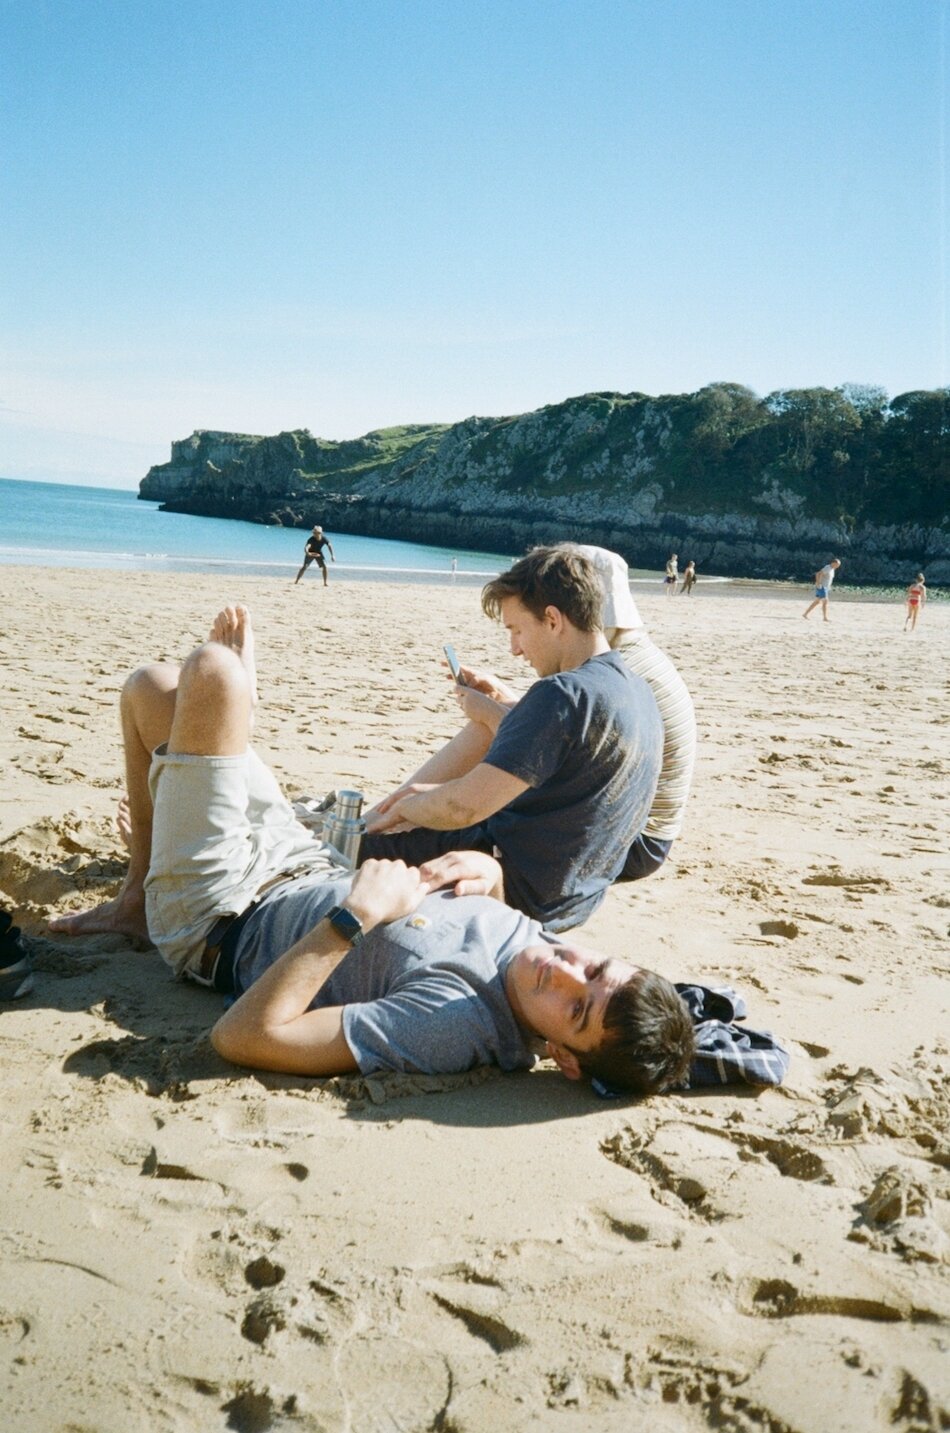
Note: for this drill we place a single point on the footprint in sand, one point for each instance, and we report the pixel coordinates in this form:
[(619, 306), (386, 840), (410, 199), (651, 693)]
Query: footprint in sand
[(631, 1150), (779, 1299), (787, 929), (719, 1392), (850, 881), (897, 1216)]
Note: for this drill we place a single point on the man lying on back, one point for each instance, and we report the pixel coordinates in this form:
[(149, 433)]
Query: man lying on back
[(396, 968)]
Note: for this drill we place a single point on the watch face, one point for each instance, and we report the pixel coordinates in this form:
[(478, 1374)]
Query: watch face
[(346, 924)]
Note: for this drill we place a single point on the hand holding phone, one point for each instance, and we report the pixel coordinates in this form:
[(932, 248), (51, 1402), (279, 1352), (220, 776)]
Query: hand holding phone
[(453, 662)]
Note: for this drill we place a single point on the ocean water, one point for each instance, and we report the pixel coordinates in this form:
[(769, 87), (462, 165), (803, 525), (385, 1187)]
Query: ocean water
[(60, 525)]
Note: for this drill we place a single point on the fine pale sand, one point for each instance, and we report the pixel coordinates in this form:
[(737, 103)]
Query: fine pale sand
[(186, 1246)]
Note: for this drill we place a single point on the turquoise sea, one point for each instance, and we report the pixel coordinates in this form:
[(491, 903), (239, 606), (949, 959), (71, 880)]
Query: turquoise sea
[(63, 525), (58, 524)]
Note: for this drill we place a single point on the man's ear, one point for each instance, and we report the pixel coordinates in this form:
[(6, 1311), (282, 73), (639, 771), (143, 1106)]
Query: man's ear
[(554, 618), (565, 1060)]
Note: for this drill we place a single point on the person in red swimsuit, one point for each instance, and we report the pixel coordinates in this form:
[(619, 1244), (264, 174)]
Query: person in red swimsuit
[(916, 598)]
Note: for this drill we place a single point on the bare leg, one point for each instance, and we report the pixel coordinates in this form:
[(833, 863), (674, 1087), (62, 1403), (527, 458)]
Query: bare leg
[(300, 574), (205, 708), (808, 610), (215, 705), (232, 628), (147, 707), (459, 756)]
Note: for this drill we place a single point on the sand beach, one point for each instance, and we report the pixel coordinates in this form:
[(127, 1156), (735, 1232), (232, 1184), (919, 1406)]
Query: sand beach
[(186, 1246)]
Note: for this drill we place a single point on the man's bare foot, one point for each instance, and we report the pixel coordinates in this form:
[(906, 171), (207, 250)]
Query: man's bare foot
[(125, 915), (123, 821), (232, 628)]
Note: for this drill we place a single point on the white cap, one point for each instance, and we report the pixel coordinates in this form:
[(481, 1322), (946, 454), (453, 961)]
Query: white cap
[(620, 610)]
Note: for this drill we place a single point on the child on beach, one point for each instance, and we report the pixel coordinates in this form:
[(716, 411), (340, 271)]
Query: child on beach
[(916, 599), (672, 574)]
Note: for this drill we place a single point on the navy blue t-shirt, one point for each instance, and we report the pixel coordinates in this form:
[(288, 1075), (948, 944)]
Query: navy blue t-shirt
[(589, 743)]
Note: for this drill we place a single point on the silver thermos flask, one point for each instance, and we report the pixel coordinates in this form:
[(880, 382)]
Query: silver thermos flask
[(343, 826)]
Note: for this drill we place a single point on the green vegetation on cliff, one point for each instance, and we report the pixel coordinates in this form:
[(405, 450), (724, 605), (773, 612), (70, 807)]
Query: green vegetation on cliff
[(846, 455), (752, 484)]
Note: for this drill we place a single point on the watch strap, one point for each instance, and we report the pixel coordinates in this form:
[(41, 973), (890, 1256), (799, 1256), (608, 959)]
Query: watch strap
[(345, 924)]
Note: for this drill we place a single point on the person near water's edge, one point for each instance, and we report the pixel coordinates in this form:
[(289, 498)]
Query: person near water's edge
[(394, 968), (824, 577), (313, 552), (916, 599)]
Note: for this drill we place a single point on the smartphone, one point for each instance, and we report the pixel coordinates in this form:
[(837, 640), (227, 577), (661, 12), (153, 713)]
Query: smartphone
[(453, 662)]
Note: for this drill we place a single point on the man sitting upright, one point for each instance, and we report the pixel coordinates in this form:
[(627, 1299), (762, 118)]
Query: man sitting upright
[(393, 969), (557, 784)]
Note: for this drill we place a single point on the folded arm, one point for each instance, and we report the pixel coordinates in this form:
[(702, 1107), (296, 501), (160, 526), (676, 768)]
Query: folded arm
[(472, 798), (271, 1026)]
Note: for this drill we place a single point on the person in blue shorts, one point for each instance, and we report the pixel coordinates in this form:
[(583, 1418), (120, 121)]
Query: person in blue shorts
[(395, 968), (824, 577), (556, 784)]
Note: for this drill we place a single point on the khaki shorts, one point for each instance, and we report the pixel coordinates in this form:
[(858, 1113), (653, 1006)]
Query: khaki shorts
[(222, 828)]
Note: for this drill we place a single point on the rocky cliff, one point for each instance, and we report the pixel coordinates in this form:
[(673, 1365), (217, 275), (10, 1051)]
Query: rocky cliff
[(744, 486)]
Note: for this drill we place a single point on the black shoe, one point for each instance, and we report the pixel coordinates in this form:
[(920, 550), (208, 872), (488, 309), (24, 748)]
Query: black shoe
[(16, 968)]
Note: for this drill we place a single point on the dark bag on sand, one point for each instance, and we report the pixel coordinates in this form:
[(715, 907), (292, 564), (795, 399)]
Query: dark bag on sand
[(16, 970)]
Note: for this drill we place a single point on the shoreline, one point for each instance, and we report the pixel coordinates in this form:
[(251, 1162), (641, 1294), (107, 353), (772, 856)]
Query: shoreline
[(641, 584)]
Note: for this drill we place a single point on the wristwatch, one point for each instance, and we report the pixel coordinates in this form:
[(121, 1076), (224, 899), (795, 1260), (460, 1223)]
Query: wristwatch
[(345, 923)]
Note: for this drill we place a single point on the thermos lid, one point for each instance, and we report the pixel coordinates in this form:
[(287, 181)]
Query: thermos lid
[(349, 804)]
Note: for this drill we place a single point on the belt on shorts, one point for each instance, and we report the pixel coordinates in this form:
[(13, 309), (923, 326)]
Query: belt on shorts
[(216, 966)]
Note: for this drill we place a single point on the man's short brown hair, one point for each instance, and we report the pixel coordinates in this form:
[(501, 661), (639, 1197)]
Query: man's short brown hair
[(648, 1043), (558, 576)]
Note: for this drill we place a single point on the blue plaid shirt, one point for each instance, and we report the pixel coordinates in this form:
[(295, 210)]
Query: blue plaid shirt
[(725, 1054)]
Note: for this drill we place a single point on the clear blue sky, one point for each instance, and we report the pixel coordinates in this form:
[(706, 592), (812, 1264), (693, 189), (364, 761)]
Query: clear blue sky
[(347, 214)]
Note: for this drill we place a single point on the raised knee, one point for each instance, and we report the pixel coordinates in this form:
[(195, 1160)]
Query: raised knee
[(157, 679), (216, 667)]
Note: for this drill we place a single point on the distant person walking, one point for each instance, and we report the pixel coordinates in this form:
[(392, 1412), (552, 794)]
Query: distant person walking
[(824, 577), (313, 552), (672, 574), (916, 600), (689, 579)]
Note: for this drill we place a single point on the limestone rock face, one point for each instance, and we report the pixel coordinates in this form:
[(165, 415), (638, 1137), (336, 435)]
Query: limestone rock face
[(638, 474)]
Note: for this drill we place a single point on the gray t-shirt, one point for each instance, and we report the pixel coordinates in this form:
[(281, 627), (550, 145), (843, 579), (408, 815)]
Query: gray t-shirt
[(425, 993), (589, 743)]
